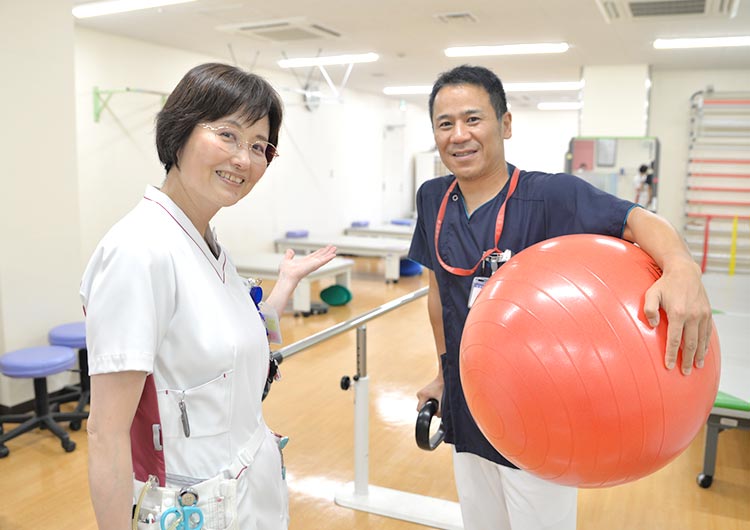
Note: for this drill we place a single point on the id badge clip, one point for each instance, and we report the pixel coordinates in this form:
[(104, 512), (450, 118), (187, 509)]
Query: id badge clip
[(491, 264), (496, 259)]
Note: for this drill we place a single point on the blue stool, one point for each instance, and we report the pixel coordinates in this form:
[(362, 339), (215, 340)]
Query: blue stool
[(73, 335), (38, 363), (409, 267)]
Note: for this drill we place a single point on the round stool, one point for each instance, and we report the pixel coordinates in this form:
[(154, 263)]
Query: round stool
[(37, 364), (408, 267), (73, 335)]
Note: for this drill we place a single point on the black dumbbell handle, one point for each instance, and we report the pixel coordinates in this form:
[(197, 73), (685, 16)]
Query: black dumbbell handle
[(422, 431)]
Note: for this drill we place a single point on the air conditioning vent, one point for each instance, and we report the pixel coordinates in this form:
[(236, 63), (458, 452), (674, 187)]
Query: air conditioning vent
[(667, 8), (452, 18), (286, 30), (624, 10)]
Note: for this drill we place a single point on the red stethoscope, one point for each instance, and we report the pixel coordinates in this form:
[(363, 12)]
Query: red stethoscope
[(498, 228)]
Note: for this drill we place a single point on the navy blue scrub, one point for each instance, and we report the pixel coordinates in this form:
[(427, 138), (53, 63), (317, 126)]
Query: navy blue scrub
[(543, 206)]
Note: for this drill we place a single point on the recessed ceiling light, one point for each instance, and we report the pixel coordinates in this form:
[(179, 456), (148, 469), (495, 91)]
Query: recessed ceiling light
[(110, 7), (559, 105), (507, 49), (553, 86), (407, 90), (703, 42), (302, 62)]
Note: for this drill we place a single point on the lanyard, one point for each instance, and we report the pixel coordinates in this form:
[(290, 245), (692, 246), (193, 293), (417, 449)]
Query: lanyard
[(498, 227)]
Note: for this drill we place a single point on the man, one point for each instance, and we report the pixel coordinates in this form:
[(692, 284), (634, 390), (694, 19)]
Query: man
[(465, 232)]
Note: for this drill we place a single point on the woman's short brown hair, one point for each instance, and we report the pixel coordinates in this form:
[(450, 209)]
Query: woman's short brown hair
[(209, 92)]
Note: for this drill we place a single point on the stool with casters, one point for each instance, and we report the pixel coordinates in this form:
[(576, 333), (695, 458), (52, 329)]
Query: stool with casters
[(38, 363), (73, 335)]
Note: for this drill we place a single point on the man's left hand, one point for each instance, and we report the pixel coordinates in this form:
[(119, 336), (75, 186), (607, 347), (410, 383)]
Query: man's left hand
[(680, 293)]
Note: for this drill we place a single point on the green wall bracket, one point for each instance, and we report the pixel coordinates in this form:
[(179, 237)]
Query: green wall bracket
[(102, 97)]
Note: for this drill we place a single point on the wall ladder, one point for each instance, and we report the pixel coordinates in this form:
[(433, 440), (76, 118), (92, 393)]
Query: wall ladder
[(717, 195)]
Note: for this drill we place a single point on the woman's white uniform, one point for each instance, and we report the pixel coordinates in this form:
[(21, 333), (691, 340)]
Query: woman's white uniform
[(157, 300)]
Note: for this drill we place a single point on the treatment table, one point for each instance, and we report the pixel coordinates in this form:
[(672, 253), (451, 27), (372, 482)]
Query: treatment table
[(265, 266), (730, 299), (382, 230), (389, 248)]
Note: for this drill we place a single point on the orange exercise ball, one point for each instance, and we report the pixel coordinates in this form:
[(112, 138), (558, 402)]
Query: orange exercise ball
[(563, 374)]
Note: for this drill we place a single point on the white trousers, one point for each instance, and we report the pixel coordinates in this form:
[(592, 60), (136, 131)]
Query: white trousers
[(501, 498)]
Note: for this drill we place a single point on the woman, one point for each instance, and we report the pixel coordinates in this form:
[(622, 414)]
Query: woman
[(178, 351)]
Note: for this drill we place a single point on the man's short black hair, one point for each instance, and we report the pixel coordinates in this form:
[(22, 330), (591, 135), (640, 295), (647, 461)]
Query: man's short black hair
[(473, 75)]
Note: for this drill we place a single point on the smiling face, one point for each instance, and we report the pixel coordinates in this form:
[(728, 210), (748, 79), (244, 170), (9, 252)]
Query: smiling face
[(468, 134), (213, 172)]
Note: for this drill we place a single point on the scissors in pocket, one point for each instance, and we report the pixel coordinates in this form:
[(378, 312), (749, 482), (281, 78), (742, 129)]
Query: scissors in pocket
[(185, 517)]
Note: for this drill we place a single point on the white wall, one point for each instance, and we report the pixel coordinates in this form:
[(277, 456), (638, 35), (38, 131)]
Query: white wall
[(338, 163), (39, 232), (615, 100), (409, 125), (541, 139), (330, 172), (669, 121), (116, 155)]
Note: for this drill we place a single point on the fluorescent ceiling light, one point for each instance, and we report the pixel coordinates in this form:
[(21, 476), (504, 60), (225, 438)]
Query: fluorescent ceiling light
[(407, 90), (110, 7), (328, 61), (704, 42), (559, 105), (554, 86), (507, 49)]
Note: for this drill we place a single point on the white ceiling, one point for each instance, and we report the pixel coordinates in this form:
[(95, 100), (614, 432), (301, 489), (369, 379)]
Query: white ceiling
[(410, 38)]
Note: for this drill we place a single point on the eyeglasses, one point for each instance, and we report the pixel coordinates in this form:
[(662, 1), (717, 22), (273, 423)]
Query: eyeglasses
[(230, 140)]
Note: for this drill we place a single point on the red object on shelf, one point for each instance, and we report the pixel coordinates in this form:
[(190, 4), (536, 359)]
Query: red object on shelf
[(719, 203), (720, 160), (717, 215), (727, 175), (710, 188), (726, 101), (706, 234)]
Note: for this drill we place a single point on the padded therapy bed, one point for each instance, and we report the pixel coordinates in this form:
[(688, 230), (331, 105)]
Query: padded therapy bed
[(398, 231), (266, 266), (392, 250), (730, 299)]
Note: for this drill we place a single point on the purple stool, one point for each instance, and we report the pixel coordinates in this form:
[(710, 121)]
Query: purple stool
[(73, 335), (38, 363)]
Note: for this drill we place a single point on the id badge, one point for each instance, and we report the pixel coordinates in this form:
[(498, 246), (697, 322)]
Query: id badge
[(476, 286), (271, 320)]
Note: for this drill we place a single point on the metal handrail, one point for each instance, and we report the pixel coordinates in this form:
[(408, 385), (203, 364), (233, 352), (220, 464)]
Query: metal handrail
[(342, 327), (357, 495)]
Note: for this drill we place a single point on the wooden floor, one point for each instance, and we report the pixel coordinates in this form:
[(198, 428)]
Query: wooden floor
[(41, 486)]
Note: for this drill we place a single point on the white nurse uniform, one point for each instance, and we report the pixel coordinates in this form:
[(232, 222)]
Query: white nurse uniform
[(158, 300)]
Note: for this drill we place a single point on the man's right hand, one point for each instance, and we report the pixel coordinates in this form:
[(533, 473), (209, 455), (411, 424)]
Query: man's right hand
[(433, 390)]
